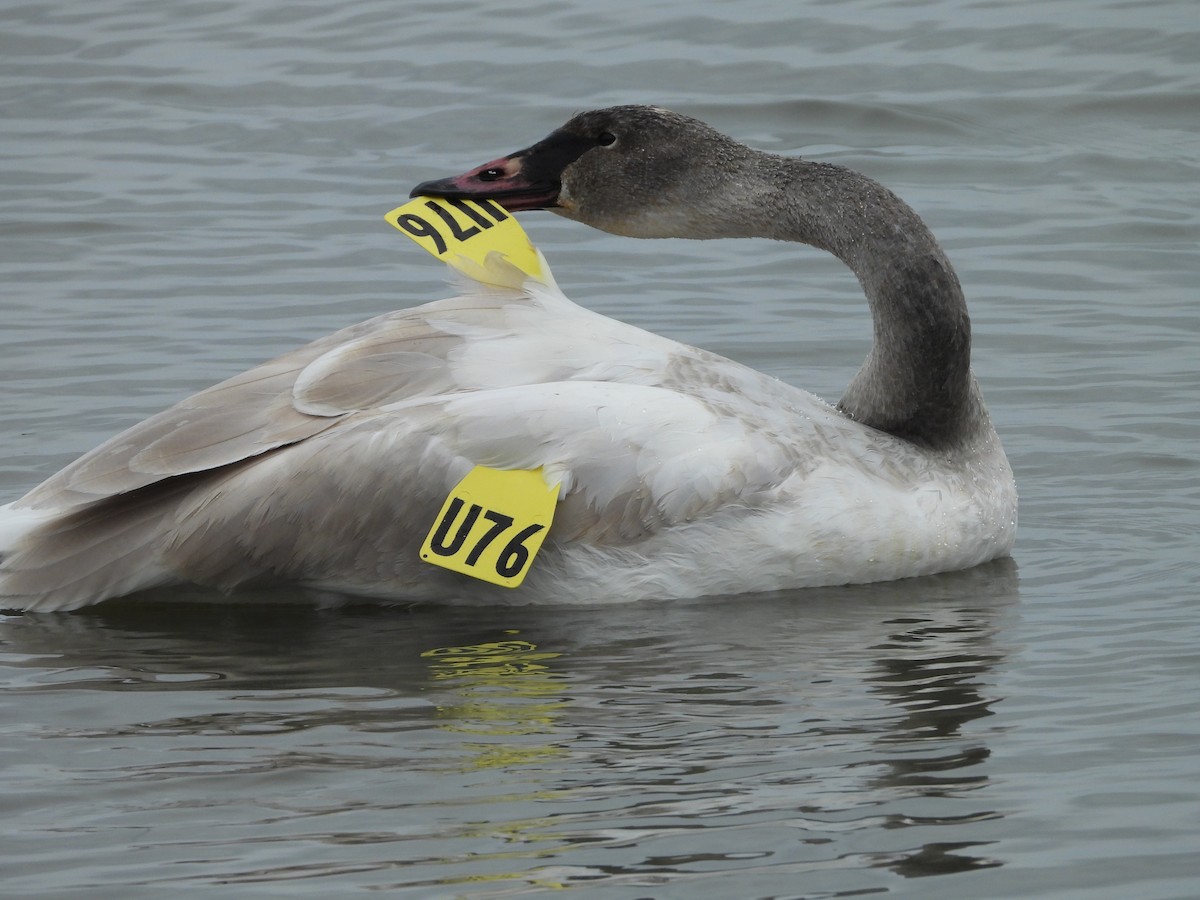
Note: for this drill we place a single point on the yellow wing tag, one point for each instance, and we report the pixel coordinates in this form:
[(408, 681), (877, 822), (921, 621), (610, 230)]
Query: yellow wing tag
[(492, 525), (471, 237)]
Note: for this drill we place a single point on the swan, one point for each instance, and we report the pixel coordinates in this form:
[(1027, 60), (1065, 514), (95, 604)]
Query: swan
[(673, 472)]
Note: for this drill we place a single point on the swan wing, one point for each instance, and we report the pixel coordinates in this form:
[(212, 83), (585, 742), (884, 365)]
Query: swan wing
[(630, 458), (350, 507), (486, 337)]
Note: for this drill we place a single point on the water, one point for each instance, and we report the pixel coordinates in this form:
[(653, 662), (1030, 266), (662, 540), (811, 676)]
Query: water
[(191, 188)]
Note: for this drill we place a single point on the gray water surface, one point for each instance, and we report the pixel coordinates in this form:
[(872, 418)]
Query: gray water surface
[(189, 189)]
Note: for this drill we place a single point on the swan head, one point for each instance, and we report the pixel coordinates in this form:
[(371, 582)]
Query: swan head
[(638, 171)]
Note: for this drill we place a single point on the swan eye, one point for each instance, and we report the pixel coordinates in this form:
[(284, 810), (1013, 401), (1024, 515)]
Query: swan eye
[(493, 174), (606, 139)]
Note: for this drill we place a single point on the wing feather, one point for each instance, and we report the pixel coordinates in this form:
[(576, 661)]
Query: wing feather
[(637, 426), (293, 397)]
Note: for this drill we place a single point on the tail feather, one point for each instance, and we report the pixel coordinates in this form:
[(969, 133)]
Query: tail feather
[(15, 523), (52, 562)]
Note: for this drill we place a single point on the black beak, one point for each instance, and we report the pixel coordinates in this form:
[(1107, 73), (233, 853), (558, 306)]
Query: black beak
[(527, 179)]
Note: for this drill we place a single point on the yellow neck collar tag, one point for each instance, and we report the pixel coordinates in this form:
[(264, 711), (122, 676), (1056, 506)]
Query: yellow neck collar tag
[(480, 239)]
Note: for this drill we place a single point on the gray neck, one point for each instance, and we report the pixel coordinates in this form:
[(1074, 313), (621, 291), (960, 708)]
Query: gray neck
[(916, 382)]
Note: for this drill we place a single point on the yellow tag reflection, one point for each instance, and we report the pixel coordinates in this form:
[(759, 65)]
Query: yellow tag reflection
[(504, 689)]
